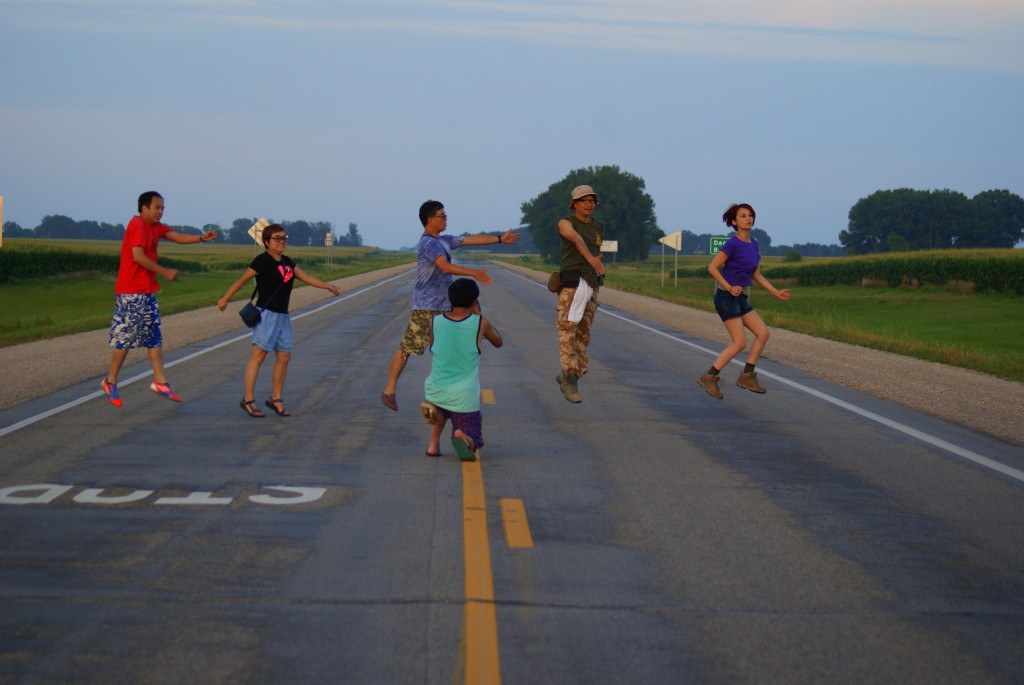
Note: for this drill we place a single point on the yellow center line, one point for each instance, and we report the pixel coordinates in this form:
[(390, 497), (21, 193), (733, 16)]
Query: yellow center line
[(481, 623), (486, 395)]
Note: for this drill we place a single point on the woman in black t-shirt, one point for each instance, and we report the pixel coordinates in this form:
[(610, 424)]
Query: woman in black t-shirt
[(275, 275)]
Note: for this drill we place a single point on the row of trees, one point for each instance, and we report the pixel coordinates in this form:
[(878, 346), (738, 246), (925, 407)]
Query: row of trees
[(885, 221), (59, 226), (299, 232), (907, 219)]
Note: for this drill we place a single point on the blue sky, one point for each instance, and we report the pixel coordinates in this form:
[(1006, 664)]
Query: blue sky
[(359, 111)]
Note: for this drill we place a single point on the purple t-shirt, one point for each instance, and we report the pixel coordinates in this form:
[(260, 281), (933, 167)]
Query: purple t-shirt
[(742, 262), (431, 289)]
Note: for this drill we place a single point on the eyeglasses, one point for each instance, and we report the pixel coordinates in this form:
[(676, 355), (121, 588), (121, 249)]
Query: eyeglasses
[(442, 217), (279, 238), (588, 201)]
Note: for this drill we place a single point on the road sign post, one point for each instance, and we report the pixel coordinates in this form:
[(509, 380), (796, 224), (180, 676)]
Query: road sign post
[(610, 246), (716, 244), (675, 241)]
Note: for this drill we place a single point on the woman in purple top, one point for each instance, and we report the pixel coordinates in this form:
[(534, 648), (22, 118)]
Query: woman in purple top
[(734, 268)]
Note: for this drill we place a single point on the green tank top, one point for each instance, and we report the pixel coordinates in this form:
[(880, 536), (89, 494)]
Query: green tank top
[(454, 380), (592, 233)]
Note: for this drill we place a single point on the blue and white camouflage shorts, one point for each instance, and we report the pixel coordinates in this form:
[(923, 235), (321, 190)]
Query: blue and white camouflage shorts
[(136, 322)]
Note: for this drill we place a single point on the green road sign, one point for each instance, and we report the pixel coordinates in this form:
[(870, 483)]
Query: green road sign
[(716, 244)]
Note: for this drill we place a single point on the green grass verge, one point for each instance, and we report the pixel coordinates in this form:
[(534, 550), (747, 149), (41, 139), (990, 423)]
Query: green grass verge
[(980, 331)]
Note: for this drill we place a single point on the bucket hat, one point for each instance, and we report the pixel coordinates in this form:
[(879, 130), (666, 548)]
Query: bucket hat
[(581, 191)]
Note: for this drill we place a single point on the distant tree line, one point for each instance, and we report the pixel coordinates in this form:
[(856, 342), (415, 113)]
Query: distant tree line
[(906, 219), (885, 221), (58, 226), (299, 232)]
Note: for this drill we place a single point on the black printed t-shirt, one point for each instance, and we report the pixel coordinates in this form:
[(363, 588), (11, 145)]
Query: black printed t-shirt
[(270, 276)]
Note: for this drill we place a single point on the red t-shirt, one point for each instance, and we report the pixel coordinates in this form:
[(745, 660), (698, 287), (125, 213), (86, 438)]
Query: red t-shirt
[(132, 278)]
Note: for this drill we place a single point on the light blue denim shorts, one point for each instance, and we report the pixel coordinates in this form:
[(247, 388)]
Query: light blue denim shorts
[(274, 332)]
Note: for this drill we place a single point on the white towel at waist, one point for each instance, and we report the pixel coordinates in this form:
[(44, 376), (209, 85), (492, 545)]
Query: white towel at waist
[(579, 301)]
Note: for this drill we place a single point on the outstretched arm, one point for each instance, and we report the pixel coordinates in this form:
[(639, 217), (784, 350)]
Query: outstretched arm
[(508, 238), (314, 281), (188, 238), (222, 303)]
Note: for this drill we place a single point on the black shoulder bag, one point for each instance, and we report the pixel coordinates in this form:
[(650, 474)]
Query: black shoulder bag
[(250, 313)]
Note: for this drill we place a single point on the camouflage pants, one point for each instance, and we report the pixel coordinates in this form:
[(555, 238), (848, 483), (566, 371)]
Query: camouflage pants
[(574, 338)]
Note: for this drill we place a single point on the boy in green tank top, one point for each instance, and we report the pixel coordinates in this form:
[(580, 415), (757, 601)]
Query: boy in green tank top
[(452, 389)]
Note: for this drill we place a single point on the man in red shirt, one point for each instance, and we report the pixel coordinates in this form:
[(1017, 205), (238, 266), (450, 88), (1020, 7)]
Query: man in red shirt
[(136, 315)]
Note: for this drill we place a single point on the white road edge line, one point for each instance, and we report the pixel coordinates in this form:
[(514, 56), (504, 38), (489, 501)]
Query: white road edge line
[(961, 452), (7, 430)]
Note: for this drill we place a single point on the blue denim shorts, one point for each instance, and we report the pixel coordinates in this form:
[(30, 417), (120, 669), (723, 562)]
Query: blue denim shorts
[(274, 332), (729, 307)]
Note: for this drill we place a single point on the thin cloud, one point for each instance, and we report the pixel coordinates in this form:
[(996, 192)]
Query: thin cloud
[(982, 34), (656, 26)]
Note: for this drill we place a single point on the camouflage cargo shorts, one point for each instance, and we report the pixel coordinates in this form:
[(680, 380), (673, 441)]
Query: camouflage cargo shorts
[(417, 332)]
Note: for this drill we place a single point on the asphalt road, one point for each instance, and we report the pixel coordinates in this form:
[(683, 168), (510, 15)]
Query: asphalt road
[(651, 534)]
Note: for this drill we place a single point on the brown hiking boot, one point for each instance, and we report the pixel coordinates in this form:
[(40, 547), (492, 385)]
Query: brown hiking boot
[(567, 383), (710, 384), (749, 381)]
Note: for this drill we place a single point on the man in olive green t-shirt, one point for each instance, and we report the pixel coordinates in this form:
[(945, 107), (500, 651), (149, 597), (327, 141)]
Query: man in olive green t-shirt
[(582, 274)]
